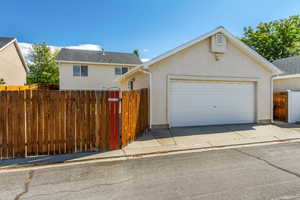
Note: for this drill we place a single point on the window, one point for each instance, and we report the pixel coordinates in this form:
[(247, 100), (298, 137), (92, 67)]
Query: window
[(130, 84), (84, 70), (80, 70), (120, 70), (76, 70), (124, 70)]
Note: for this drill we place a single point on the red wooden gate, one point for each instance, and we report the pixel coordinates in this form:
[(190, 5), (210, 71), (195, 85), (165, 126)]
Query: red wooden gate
[(113, 137)]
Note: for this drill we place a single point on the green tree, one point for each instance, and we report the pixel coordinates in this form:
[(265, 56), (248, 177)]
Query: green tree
[(276, 39), (136, 52), (44, 68)]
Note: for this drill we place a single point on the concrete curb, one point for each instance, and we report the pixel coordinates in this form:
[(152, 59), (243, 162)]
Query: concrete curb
[(141, 155)]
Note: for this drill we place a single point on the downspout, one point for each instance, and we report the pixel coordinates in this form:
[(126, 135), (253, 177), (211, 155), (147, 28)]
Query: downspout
[(150, 95), (272, 103), (272, 106)]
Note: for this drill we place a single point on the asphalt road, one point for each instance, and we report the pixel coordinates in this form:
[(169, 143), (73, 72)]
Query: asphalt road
[(261, 172)]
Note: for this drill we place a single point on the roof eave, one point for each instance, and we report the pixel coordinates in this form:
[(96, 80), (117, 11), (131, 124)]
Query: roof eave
[(95, 63), (275, 70), (21, 56), (12, 41), (129, 73), (287, 76), (15, 42), (221, 29)]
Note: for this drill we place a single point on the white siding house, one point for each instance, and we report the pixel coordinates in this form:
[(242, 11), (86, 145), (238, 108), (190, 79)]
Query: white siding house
[(93, 70)]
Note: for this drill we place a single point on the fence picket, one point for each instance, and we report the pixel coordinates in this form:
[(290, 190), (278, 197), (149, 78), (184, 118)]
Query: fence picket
[(135, 114), (42, 122)]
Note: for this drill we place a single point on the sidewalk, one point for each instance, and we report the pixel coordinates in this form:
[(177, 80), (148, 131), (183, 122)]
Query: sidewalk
[(164, 141)]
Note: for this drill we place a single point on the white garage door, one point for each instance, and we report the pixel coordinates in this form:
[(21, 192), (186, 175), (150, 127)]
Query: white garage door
[(195, 103)]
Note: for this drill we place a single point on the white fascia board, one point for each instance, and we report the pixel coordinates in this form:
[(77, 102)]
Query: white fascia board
[(286, 76), (21, 55), (181, 47), (220, 29), (14, 40), (250, 51), (129, 73), (96, 63)]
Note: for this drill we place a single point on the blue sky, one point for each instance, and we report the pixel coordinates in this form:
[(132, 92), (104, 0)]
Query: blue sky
[(152, 26)]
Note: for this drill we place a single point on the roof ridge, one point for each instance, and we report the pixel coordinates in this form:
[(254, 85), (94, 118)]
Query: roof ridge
[(95, 50), (7, 37)]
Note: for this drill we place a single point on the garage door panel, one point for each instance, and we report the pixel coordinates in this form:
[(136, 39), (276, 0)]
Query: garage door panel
[(207, 103)]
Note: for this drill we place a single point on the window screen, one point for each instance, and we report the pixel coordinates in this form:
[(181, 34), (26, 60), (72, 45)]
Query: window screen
[(124, 70), (118, 71), (84, 70), (76, 70)]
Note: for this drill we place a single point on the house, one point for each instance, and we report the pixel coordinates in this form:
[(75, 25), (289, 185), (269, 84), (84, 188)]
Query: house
[(13, 67), (213, 79), (288, 84), (93, 70), (290, 79)]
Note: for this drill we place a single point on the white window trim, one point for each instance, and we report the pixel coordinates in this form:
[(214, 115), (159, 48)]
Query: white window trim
[(121, 69), (131, 81), (80, 75)]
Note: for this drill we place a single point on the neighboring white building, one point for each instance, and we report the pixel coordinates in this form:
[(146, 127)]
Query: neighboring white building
[(93, 70), (12, 64), (213, 79), (290, 79)]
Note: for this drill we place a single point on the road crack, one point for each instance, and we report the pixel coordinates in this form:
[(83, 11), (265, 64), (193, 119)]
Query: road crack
[(268, 163), (26, 185), (85, 188)]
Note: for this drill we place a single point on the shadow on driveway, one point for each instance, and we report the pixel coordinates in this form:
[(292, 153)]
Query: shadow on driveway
[(214, 129)]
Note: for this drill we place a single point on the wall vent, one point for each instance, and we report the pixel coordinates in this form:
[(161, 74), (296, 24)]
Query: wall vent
[(218, 43)]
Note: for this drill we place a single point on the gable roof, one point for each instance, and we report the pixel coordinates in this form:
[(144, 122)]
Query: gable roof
[(290, 65), (6, 41), (97, 57), (232, 38)]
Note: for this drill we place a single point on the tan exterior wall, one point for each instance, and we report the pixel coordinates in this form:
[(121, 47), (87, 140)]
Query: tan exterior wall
[(197, 61), (99, 77), (141, 80), (11, 67), (286, 84)]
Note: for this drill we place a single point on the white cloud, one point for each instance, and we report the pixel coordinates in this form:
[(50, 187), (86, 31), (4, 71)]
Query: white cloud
[(86, 47), (145, 50), (145, 59), (26, 48)]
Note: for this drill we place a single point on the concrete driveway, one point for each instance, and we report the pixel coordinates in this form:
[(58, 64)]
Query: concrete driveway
[(178, 140), (208, 136), (161, 140)]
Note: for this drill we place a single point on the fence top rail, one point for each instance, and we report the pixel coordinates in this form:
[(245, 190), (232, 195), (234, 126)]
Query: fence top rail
[(28, 87), (280, 93)]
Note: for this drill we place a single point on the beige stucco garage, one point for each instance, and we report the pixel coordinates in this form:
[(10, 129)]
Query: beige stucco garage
[(203, 82)]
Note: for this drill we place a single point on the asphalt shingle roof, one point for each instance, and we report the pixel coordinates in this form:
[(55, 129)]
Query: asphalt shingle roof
[(4, 41), (290, 65), (97, 56)]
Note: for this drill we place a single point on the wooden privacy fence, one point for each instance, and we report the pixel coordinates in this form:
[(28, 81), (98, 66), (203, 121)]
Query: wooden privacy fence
[(28, 87), (135, 114), (57, 122), (280, 103)]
